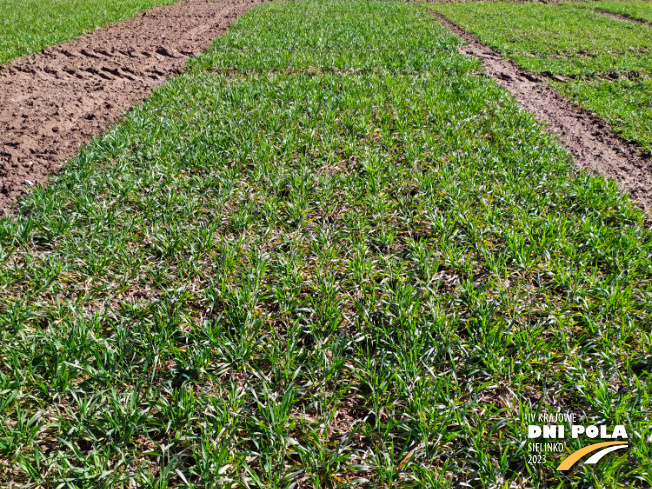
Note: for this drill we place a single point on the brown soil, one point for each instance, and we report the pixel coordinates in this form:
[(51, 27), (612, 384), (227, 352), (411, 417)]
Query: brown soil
[(588, 138), (621, 17), (554, 2), (53, 102)]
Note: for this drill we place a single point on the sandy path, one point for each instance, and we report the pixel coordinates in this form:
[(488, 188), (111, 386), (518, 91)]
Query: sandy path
[(52, 102), (587, 137)]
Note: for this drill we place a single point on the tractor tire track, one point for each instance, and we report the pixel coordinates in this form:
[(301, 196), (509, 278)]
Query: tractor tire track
[(53, 102), (621, 17), (588, 138)]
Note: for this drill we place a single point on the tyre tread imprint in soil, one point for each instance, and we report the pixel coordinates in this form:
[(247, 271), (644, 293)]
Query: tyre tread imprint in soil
[(53, 102), (589, 139), (621, 17)]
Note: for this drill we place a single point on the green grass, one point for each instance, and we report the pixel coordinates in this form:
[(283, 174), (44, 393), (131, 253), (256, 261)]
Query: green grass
[(635, 9), (376, 41), (29, 26), (626, 104), (574, 44), (358, 264), (558, 39)]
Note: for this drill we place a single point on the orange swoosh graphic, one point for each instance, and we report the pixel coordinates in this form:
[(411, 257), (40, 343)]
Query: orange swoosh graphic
[(575, 456)]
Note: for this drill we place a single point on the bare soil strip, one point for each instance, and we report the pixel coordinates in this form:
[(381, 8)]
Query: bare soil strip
[(53, 102), (587, 137), (621, 17)]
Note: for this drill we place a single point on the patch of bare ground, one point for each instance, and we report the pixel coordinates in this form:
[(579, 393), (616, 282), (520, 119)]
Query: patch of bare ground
[(53, 102), (554, 2), (589, 139), (621, 17)]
